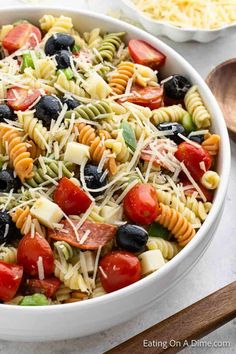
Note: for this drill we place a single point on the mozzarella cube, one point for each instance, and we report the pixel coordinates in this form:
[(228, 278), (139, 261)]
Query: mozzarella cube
[(46, 212), (76, 153), (151, 261), (112, 214), (97, 87)]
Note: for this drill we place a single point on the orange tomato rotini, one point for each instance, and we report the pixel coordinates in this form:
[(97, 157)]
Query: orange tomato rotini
[(19, 155), (212, 143), (121, 77), (176, 223)]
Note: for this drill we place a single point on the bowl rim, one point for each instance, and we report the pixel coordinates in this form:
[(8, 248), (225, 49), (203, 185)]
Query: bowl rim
[(181, 29), (221, 192)]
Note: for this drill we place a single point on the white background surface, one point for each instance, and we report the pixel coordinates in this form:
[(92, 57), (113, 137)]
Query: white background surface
[(218, 265)]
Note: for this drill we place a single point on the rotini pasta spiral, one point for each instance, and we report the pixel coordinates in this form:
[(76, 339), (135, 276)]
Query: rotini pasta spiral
[(167, 248), (4, 31), (88, 137), (210, 180), (34, 149), (212, 144), (176, 223), (45, 69), (68, 86), (167, 114), (47, 22), (23, 220), (174, 202), (199, 208), (8, 254), (69, 275), (64, 249), (62, 24), (3, 91), (108, 47), (118, 147), (195, 106), (19, 156), (92, 110), (93, 38), (37, 132), (121, 77), (52, 170)]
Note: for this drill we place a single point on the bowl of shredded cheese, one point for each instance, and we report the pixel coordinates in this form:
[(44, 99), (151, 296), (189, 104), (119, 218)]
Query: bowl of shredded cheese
[(184, 20)]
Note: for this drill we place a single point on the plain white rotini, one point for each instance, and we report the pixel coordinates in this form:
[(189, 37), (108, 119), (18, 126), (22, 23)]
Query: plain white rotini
[(167, 248), (210, 180), (68, 86), (93, 38), (4, 31), (199, 208), (47, 22), (45, 69), (174, 202), (63, 249), (62, 24), (196, 107), (167, 114), (63, 293), (32, 126), (118, 147), (69, 275), (8, 254)]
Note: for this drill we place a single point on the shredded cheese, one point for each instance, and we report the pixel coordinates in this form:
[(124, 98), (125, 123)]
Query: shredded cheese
[(40, 268)]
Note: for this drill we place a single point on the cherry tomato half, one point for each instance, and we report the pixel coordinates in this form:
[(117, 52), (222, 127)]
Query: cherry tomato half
[(20, 35), (10, 279), (192, 156), (119, 269), (141, 204), (149, 96), (48, 286), (29, 251), (144, 54), (20, 99), (71, 198)]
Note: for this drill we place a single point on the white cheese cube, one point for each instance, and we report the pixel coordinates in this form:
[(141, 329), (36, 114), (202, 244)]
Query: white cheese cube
[(112, 214), (151, 261), (46, 212), (97, 87), (76, 153)]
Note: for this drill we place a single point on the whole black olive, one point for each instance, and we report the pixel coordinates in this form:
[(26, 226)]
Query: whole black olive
[(72, 103), (63, 59), (8, 230), (93, 179), (131, 238), (196, 138), (177, 87), (8, 181), (6, 113), (48, 108), (59, 41), (176, 129)]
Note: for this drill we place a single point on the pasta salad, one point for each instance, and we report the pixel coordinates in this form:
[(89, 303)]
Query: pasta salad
[(107, 168)]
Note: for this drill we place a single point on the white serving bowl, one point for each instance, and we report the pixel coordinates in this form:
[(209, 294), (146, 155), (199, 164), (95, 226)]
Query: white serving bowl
[(84, 318), (160, 28)]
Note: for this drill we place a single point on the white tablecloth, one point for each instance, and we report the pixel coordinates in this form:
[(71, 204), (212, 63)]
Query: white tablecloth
[(216, 268)]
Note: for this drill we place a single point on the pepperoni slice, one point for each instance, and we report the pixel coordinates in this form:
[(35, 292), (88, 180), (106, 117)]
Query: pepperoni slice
[(99, 235)]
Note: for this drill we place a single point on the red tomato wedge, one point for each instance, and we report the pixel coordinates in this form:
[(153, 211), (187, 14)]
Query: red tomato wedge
[(48, 286), (193, 156), (144, 54), (149, 96), (99, 235), (20, 99), (20, 35), (29, 251), (119, 269), (10, 279), (141, 204), (71, 198)]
